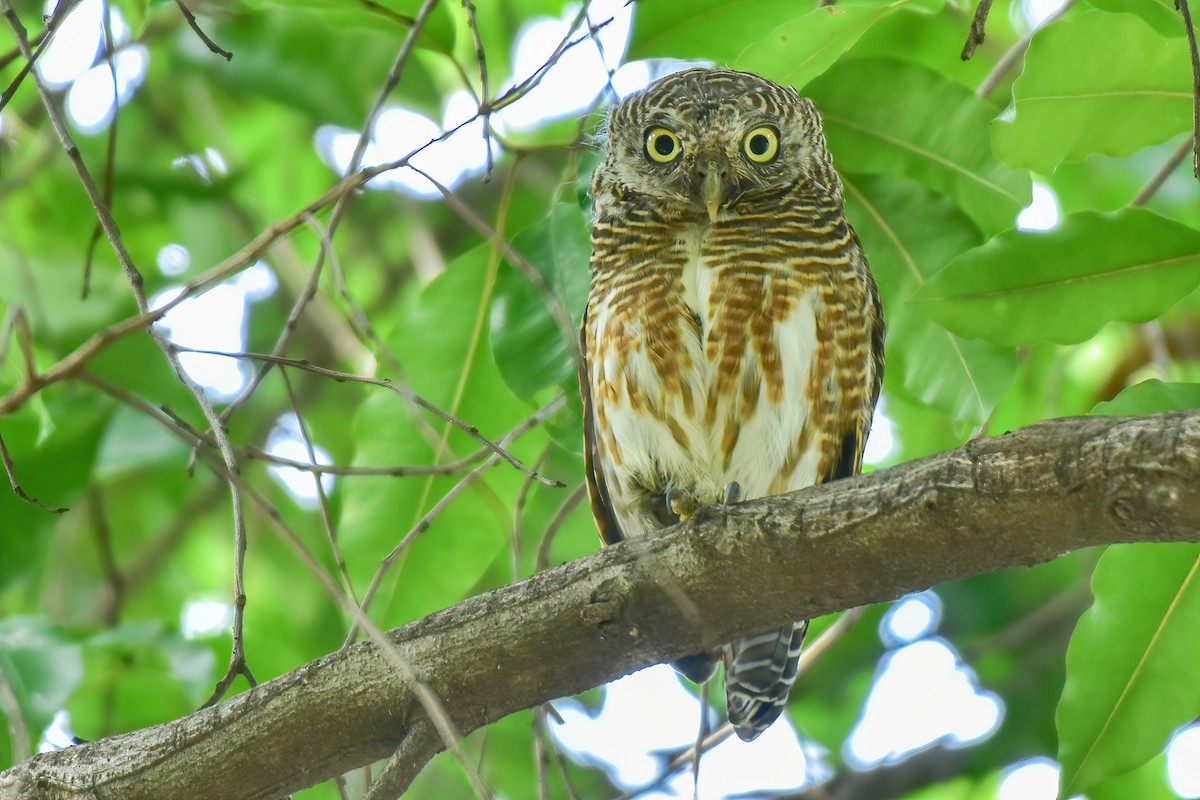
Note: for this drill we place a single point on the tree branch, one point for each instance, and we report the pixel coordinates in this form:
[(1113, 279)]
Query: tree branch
[(1018, 499)]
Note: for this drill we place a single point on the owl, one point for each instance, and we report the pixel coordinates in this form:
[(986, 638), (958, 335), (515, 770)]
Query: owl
[(733, 336)]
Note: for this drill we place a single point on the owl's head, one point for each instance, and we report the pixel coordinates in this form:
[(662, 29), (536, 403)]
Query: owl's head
[(707, 138)]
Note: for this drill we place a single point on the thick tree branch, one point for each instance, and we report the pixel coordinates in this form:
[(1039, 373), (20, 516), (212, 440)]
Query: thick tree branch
[(1018, 499)]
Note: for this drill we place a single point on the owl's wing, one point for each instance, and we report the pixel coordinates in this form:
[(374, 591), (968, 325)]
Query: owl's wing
[(855, 440), (598, 495)]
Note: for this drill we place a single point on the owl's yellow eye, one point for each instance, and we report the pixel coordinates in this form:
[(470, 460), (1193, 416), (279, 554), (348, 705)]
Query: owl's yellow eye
[(662, 145), (761, 145)]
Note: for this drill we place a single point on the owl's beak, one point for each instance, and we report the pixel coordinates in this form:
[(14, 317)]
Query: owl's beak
[(712, 193)]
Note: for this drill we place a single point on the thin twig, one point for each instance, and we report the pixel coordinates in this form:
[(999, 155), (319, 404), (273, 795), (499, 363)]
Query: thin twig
[(556, 522), (554, 303), (7, 331), (424, 523), (405, 471), (594, 35), (15, 53), (194, 438), (975, 37), (519, 512), (1061, 609), (69, 365), (407, 394), (319, 485), (1186, 12), (237, 660), (42, 41), (16, 485), (701, 732), (195, 26), (541, 754), (20, 328), (114, 581), (428, 699), (64, 136), (519, 90), (339, 207), (1159, 178), (485, 109), (110, 157), (1014, 53), (359, 322)]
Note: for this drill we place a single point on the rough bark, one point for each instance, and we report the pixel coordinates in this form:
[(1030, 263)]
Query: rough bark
[(1018, 499)]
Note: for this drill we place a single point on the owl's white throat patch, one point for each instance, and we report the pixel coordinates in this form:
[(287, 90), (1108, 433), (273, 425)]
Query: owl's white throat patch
[(696, 276)]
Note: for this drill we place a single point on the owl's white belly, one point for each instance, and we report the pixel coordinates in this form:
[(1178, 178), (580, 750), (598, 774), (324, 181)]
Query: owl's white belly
[(689, 445)]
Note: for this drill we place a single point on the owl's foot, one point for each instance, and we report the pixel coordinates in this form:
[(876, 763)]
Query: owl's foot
[(733, 493), (682, 504)]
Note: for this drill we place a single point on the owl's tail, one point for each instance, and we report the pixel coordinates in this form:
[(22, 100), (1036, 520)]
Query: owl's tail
[(759, 673)]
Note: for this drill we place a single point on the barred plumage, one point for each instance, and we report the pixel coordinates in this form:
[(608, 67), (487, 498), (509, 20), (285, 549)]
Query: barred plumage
[(733, 333)]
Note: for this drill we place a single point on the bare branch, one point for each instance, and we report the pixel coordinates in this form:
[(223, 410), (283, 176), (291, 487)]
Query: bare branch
[(68, 366), (1186, 13), (554, 303), (484, 93), (237, 658), (195, 26), (556, 522), (408, 395), (1159, 178), (319, 487), (110, 156), (339, 209), (11, 470), (975, 37), (425, 521), (1018, 499), (41, 42)]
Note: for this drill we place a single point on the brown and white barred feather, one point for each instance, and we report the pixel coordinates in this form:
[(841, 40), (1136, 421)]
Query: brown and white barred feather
[(732, 334)]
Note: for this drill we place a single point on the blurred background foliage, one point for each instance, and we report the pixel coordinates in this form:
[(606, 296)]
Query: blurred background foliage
[(1029, 214)]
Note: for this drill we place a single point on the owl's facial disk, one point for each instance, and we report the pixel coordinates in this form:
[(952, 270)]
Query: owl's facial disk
[(707, 141), (706, 166), (718, 170)]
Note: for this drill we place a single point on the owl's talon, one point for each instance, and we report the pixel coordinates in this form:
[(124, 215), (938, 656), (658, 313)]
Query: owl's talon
[(681, 504), (733, 493)]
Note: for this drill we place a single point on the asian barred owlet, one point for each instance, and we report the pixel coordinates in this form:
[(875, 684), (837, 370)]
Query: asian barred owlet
[(733, 338)]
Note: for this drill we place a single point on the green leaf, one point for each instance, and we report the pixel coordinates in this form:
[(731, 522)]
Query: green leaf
[(1162, 14), (908, 234), (1062, 286), (53, 442), (801, 49), (1096, 83), (443, 337), (139, 674), (712, 30), (189, 662), (284, 56), (529, 344), (892, 117), (1147, 782), (1132, 669), (1150, 397), (41, 668)]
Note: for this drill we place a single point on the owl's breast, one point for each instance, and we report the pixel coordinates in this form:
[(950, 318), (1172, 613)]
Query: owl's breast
[(701, 363)]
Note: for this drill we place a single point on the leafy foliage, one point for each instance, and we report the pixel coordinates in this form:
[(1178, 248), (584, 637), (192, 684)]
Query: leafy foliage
[(990, 327)]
